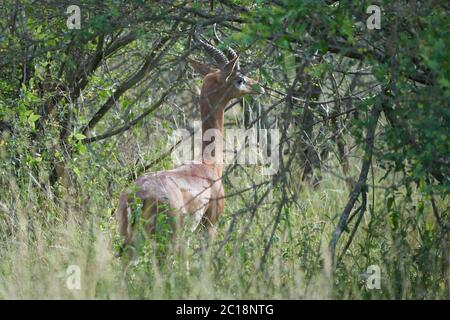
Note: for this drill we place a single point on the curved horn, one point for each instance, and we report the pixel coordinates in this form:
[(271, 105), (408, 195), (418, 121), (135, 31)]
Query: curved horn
[(215, 53), (229, 52)]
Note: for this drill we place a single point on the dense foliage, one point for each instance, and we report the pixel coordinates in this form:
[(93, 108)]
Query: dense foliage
[(364, 177)]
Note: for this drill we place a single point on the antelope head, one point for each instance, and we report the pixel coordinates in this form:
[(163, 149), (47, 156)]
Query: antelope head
[(225, 80)]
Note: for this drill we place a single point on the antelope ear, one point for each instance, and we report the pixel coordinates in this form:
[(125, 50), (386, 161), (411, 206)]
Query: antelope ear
[(201, 68), (230, 67)]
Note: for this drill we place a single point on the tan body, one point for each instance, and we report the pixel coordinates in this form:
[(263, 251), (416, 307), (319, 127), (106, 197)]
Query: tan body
[(194, 189)]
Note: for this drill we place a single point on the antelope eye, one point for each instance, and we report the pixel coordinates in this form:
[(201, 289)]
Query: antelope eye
[(240, 81)]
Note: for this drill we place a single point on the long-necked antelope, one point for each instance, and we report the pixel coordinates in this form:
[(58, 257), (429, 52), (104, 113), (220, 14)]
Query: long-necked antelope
[(194, 189)]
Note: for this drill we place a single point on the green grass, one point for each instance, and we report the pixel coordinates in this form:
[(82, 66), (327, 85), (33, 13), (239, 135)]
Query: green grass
[(42, 235)]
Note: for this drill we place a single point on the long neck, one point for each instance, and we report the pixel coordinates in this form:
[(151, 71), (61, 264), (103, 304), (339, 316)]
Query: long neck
[(212, 107)]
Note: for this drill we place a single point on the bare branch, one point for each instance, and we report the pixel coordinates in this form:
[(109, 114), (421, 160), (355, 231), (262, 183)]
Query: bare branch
[(360, 185)]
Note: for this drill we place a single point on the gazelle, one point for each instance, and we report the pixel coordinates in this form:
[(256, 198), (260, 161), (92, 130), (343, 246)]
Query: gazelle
[(194, 189)]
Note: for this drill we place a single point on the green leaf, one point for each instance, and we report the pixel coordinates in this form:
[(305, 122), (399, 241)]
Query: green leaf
[(32, 118)]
